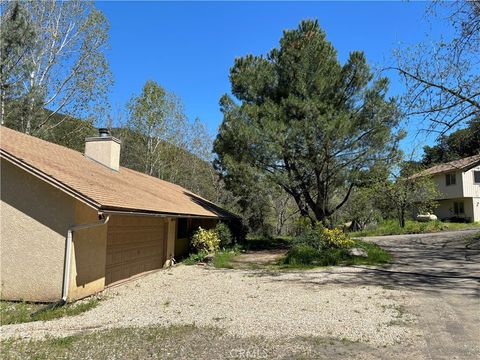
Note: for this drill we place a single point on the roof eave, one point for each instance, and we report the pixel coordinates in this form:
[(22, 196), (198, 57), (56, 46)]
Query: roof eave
[(139, 212)]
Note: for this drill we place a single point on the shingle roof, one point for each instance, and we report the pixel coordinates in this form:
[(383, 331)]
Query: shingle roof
[(460, 164), (126, 190)]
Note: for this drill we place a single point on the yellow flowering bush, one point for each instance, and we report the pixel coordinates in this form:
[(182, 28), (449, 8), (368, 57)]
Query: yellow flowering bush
[(336, 238), (321, 238), (206, 240)]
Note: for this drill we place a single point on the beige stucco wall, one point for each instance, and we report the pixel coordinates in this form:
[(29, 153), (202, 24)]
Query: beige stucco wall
[(106, 151), (35, 217), (87, 266)]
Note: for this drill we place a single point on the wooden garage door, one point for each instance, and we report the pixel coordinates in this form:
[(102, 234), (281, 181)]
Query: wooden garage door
[(134, 245)]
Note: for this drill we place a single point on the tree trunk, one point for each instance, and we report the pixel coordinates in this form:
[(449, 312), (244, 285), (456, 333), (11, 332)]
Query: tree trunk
[(402, 218)]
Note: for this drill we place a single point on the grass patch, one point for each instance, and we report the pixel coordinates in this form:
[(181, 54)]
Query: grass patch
[(376, 255), (122, 343), (303, 256), (180, 342), (391, 227), (20, 312), (222, 259), (255, 243), (299, 256)]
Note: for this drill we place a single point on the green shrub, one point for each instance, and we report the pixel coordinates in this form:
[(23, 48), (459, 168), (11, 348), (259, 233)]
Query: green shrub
[(301, 254), (321, 238), (336, 238), (333, 256), (224, 234), (206, 240), (333, 251), (195, 257)]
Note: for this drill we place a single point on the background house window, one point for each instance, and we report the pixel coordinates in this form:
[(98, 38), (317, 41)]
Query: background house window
[(476, 176), (450, 179), (458, 208)]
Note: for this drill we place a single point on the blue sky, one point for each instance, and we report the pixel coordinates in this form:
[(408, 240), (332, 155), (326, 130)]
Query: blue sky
[(188, 47)]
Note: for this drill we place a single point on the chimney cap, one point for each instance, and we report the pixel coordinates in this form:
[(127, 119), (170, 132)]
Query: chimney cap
[(103, 132)]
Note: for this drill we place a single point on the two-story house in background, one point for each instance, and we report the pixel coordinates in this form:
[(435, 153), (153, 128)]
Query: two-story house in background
[(458, 184)]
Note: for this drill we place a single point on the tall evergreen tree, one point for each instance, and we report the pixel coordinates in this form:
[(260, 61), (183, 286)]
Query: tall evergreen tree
[(16, 38), (306, 122)]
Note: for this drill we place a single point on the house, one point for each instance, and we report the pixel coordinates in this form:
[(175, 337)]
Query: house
[(73, 224), (458, 184)]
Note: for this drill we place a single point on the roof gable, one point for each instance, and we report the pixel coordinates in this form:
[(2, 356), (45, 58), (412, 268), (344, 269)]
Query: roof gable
[(456, 165)]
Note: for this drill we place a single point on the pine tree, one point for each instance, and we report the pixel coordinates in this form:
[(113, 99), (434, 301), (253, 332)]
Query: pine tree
[(16, 40), (306, 122)]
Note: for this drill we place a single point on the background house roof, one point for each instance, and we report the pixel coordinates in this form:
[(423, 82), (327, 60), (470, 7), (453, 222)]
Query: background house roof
[(461, 164), (106, 189)]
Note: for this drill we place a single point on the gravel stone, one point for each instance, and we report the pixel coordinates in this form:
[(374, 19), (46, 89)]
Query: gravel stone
[(276, 305)]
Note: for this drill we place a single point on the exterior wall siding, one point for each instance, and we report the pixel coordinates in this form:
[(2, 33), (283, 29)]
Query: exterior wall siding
[(451, 191), (476, 208), (35, 217), (87, 267), (445, 209), (470, 188), (469, 210), (465, 190), (135, 245)]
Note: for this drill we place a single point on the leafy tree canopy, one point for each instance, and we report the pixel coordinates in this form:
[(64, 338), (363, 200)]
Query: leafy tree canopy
[(305, 122), (53, 57), (406, 192), (459, 144)]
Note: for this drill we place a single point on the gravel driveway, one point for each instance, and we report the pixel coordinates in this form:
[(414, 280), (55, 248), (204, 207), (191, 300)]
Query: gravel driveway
[(245, 303), (425, 305)]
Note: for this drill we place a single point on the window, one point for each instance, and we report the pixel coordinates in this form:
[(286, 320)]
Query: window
[(458, 208), (476, 176), (450, 179)]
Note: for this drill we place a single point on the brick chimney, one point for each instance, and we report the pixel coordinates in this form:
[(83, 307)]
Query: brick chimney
[(104, 149)]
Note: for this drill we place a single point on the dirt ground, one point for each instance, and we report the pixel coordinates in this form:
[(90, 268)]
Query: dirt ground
[(252, 259)]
